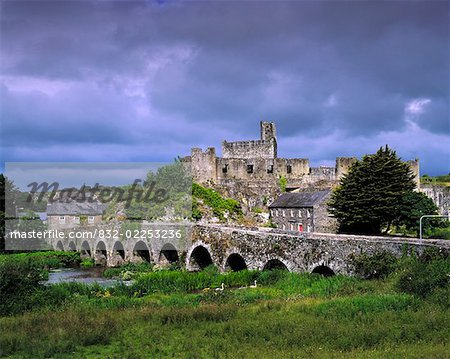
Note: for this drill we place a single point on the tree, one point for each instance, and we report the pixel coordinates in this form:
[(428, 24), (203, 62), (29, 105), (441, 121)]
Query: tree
[(369, 196), (413, 206), (8, 196)]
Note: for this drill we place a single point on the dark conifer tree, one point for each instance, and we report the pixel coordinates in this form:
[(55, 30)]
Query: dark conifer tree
[(369, 197)]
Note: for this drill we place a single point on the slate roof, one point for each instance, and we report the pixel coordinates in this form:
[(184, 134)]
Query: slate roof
[(74, 208), (299, 199)]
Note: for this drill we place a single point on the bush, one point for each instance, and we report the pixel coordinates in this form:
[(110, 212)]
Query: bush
[(422, 278), (87, 263), (215, 201), (376, 266)]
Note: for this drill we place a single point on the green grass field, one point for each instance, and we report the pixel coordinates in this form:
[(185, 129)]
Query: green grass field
[(167, 314)]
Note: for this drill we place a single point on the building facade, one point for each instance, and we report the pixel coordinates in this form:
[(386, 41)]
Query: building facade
[(303, 212), (67, 215)]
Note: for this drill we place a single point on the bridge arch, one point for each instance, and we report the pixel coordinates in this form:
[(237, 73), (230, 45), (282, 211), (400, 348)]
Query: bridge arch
[(168, 254), (323, 270), (118, 249), (59, 246), (142, 250), (85, 249), (72, 247), (101, 254), (199, 257), (235, 262), (275, 263)]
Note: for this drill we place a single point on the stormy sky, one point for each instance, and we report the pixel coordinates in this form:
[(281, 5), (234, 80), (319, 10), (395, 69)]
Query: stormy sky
[(146, 81)]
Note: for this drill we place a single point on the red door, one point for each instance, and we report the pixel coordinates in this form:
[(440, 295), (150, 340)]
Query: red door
[(300, 227)]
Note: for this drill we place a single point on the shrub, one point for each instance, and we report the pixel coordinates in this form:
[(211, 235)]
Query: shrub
[(422, 278), (87, 263), (376, 266)]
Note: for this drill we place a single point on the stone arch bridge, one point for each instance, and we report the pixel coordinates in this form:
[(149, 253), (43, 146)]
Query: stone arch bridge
[(236, 248)]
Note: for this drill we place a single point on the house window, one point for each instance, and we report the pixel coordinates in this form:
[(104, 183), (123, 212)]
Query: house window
[(308, 228), (91, 219), (76, 220), (62, 220), (289, 169), (308, 213), (292, 227), (284, 213), (249, 168), (299, 213), (292, 213), (225, 169), (270, 169), (276, 212), (284, 227)]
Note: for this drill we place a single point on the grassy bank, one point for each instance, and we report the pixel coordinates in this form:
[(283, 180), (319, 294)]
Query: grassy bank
[(403, 312)]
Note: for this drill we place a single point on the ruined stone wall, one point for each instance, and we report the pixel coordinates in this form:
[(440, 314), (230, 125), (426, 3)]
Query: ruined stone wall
[(203, 164), (250, 149), (415, 169), (268, 130), (322, 174), (342, 165), (257, 169), (440, 196)]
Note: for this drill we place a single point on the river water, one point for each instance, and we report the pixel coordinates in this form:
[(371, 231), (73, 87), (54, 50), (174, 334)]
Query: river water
[(87, 276)]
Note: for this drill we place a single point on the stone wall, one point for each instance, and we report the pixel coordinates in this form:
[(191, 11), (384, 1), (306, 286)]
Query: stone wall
[(203, 164), (440, 196), (250, 149), (342, 165)]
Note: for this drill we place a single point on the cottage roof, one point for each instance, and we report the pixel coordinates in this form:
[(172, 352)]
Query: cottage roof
[(299, 199), (75, 208)]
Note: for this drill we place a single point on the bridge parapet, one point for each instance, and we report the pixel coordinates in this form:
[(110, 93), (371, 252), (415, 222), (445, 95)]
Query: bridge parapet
[(253, 248)]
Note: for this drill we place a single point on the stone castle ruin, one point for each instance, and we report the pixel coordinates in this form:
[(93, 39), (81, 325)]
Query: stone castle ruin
[(255, 164)]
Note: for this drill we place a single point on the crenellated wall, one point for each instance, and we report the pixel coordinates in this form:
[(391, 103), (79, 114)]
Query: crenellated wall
[(255, 162)]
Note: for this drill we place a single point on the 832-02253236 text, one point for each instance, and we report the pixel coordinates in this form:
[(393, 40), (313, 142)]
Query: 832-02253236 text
[(98, 233)]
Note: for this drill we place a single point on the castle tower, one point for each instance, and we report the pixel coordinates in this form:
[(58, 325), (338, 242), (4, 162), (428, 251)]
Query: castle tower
[(268, 130), (342, 165)]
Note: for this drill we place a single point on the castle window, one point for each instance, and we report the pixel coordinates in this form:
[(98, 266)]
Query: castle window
[(289, 169), (225, 169), (249, 168), (270, 169)]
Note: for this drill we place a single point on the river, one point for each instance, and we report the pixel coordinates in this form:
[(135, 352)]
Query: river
[(87, 276)]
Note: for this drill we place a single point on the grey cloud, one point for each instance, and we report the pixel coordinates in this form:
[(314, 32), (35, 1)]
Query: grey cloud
[(372, 57)]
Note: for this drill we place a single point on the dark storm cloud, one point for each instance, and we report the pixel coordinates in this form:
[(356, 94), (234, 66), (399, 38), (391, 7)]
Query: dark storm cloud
[(148, 80)]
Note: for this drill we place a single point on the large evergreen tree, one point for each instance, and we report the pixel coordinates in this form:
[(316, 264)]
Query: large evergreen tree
[(414, 205), (369, 197)]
